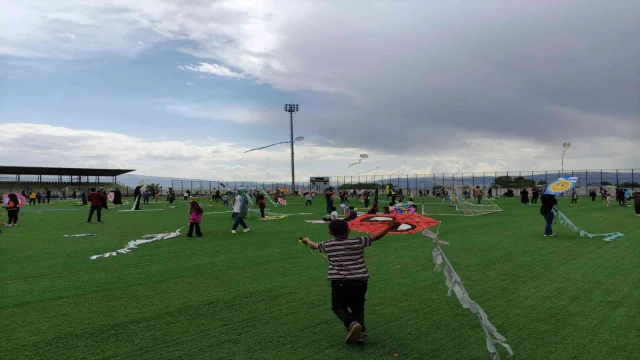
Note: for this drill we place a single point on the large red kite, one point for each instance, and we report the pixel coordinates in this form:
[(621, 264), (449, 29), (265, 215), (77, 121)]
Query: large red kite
[(411, 223)]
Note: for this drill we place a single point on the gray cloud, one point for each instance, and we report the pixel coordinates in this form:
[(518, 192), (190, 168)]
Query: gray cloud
[(423, 77)]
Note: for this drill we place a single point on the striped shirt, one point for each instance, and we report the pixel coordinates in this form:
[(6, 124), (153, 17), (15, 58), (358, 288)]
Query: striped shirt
[(346, 258)]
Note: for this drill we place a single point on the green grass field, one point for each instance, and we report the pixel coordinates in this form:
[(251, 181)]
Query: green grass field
[(261, 295)]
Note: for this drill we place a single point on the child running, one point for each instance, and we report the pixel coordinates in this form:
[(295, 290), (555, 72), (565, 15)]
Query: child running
[(195, 218), (348, 275)]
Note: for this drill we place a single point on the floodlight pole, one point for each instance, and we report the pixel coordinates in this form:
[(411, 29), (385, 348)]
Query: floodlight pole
[(291, 108)]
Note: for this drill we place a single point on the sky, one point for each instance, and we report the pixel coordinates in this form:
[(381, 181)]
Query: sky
[(183, 88)]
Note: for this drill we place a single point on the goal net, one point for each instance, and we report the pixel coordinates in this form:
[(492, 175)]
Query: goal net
[(456, 198)]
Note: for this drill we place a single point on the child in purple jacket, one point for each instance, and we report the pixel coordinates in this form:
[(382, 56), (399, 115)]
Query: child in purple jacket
[(195, 217)]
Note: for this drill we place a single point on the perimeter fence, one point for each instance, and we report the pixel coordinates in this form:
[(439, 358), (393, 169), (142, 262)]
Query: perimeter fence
[(499, 182)]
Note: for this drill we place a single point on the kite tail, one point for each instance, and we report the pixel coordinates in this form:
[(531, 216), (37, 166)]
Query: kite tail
[(264, 147), (454, 284), (356, 163), (564, 220)]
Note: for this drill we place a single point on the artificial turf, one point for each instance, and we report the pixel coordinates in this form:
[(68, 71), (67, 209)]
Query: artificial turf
[(261, 295)]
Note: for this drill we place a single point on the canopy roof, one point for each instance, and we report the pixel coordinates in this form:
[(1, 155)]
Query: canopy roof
[(28, 170)]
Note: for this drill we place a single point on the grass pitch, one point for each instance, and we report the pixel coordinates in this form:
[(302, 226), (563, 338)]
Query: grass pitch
[(261, 295)]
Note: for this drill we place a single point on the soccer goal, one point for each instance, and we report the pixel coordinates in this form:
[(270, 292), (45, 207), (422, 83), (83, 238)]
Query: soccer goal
[(456, 198)]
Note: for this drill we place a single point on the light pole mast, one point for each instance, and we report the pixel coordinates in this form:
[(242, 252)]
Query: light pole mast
[(566, 146), (291, 108)]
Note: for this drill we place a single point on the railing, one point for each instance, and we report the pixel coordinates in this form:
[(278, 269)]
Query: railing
[(500, 181)]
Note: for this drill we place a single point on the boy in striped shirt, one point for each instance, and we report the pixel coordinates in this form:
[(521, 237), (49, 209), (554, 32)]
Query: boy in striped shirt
[(348, 274)]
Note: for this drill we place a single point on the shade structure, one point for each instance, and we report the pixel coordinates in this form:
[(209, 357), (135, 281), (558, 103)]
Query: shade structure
[(410, 223)]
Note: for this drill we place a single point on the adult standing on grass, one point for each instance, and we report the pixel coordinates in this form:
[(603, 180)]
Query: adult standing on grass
[(524, 197), (241, 209), (261, 202), (535, 194), (328, 196), (48, 195), (96, 199), (636, 202), (546, 210), (12, 209), (348, 275), (478, 193), (136, 196)]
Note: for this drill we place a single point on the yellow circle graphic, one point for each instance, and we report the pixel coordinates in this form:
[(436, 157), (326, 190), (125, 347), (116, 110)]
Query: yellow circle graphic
[(560, 185)]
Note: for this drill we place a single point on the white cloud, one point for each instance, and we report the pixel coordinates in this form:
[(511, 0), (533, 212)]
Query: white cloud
[(214, 69), (214, 160)]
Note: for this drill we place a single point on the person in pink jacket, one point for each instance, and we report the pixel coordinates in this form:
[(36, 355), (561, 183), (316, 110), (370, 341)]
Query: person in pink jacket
[(195, 217)]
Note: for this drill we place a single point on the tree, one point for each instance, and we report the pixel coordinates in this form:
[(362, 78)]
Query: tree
[(542, 182), (153, 188), (628, 184), (605, 183), (503, 181), (517, 182)]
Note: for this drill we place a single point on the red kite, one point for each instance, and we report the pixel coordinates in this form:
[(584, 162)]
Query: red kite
[(411, 223)]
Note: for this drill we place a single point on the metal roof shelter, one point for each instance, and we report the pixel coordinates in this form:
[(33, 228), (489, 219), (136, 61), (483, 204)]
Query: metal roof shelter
[(72, 173)]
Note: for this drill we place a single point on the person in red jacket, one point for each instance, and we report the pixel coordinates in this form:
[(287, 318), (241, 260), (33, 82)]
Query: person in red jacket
[(96, 199)]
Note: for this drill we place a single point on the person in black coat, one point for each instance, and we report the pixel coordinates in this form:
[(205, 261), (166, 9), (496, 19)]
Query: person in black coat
[(535, 194), (117, 197), (524, 197), (137, 195), (546, 210)]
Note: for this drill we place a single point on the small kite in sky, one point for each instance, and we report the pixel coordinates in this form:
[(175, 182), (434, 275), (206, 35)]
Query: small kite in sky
[(362, 156)]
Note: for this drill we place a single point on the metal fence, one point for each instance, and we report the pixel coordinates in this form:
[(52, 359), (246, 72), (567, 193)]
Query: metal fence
[(500, 181)]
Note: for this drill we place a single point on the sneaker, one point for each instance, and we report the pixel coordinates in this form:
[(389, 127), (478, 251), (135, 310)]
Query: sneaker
[(354, 333), (245, 230), (233, 231), (552, 235), (362, 339)]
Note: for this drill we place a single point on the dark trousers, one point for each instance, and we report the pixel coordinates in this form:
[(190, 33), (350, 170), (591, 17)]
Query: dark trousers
[(307, 203), (262, 210), (197, 227), (548, 218), (98, 209), (534, 199), (137, 204), (32, 201), (146, 201), (366, 203), (329, 206), (479, 199), (637, 206), (593, 198), (13, 216), (48, 199), (239, 221), (621, 201), (574, 201), (347, 301)]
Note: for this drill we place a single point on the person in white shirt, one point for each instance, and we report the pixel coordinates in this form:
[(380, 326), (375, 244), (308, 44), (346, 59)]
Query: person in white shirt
[(334, 214)]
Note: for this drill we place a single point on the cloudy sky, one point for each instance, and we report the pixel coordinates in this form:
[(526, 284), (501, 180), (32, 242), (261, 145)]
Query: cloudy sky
[(183, 88)]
